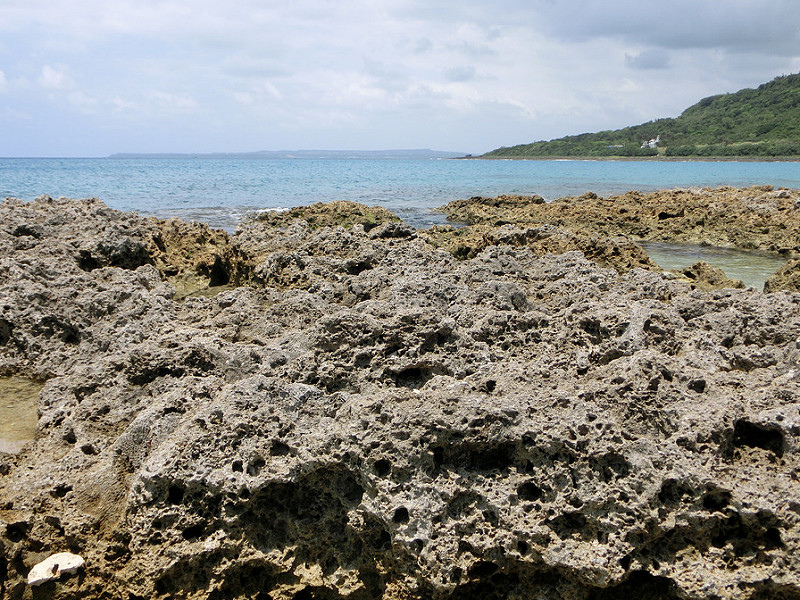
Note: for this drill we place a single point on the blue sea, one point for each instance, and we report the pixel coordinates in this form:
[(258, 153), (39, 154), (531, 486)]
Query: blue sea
[(220, 191)]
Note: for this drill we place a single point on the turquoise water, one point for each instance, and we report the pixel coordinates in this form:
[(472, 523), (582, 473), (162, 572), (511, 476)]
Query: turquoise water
[(220, 191)]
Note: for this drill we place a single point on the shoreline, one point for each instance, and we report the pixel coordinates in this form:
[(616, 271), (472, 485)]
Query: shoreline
[(639, 158)]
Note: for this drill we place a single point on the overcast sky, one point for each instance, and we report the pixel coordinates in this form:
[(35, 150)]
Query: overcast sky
[(94, 77)]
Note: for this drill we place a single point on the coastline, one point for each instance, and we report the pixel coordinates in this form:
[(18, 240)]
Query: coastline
[(525, 406), (640, 158)]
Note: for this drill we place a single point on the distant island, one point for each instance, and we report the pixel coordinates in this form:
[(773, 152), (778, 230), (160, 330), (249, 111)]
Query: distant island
[(340, 154), (762, 123)]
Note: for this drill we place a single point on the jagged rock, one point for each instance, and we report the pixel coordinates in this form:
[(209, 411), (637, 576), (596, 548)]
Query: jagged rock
[(786, 278), (617, 252), (53, 567), (338, 213), (373, 417), (707, 277), (753, 218)]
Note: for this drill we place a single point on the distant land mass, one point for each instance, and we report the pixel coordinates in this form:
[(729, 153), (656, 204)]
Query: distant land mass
[(762, 122), (341, 154)]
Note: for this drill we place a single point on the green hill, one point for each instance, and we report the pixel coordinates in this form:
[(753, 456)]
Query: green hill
[(757, 122)]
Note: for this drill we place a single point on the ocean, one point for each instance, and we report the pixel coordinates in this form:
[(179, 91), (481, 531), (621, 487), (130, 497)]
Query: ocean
[(221, 191)]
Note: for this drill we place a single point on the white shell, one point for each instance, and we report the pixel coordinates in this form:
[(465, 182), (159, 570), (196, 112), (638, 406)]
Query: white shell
[(53, 567)]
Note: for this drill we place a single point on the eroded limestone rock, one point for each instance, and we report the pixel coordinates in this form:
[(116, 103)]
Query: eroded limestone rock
[(375, 418)]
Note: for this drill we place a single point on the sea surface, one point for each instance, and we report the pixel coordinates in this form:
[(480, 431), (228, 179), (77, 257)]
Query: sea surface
[(220, 191)]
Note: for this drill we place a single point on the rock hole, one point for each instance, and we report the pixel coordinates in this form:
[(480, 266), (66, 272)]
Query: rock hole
[(522, 547), (772, 539), (438, 457), (412, 377), (87, 262), (254, 467), (193, 532), (482, 568), (34, 231), (529, 491), (278, 448), (237, 466), (663, 215), (382, 467), (16, 532), (489, 386), (218, 274), (401, 515), (567, 525), (354, 267), (673, 492), (613, 466), (61, 490), (307, 593), (3, 575), (698, 385), (716, 500), (383, 541), (175, 494), (752, 435), (88, 449), (6, 329)]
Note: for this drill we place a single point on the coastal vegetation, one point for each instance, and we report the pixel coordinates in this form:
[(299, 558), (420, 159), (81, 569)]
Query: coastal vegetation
[(760, 122)]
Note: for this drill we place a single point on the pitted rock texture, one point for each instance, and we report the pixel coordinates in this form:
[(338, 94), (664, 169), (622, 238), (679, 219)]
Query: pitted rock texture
[(374, 418), (755, 218)]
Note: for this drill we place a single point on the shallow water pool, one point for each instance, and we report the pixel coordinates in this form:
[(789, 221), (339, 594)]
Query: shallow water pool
[(752, 267), (19, 399)]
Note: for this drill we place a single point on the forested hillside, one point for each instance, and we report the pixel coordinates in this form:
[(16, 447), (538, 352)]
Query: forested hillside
[(752, 122)]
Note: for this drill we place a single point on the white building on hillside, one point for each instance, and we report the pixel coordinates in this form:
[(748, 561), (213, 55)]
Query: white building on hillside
[(651, 143)]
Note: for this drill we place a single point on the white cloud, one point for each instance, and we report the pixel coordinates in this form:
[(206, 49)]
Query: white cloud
[(2, 81), (176, 102), (53, 79), (82, 101)]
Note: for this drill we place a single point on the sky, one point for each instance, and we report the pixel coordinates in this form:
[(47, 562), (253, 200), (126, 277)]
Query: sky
[(96, 77)]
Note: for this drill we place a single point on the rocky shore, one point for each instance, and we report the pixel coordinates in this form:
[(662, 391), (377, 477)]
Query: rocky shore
[(330, 404)]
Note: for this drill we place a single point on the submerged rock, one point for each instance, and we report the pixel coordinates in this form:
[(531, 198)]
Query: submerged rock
[(707, 277), (373, 417)]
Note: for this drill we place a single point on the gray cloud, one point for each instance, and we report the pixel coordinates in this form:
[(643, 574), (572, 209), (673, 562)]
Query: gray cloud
[(318, 70), (765, 26), (656, 58), (461, 73)]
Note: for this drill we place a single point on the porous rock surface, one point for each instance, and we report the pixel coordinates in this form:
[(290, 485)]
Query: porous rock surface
[(372, 417), (754, 218)]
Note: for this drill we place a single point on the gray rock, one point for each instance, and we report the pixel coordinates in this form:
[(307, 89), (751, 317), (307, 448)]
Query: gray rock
[(374, 418)]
